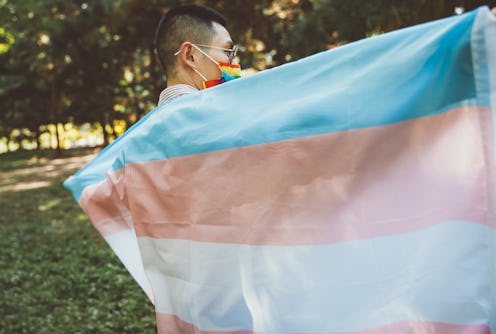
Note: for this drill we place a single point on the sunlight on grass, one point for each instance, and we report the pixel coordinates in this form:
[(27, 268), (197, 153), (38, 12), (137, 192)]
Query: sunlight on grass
[(49, 205), (58, 274), (30, 185)]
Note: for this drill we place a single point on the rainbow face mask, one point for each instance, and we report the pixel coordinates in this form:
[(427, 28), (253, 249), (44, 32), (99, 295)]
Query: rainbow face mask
[(229, 72)]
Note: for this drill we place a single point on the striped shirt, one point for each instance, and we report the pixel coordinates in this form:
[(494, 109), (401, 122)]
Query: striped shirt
[(174, 91)]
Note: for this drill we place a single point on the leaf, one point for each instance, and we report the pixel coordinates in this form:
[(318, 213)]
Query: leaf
[(9, 82)]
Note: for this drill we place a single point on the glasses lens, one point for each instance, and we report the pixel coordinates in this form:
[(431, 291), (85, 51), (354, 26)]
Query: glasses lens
[(233, 53)]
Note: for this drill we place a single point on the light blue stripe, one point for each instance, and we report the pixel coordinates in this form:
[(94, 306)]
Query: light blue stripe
[(414, 72), (442, 274), (395, 77)]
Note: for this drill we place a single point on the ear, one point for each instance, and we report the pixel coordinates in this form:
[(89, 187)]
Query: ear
[(187, 54)]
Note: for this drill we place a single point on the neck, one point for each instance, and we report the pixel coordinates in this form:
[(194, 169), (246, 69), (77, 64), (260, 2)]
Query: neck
[(185, 78)]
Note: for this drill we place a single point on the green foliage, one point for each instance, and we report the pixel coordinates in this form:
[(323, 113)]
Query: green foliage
[(94, 60), (6, 40), (58, 275), (10, 82)]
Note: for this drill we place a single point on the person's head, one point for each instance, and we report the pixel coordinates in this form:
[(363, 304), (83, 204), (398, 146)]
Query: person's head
[(189, 41)]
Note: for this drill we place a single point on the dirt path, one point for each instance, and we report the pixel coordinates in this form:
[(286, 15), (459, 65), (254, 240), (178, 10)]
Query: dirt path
[(42, 172)]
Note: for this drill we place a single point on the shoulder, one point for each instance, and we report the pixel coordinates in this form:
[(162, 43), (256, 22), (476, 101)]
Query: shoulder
[(174, 91)]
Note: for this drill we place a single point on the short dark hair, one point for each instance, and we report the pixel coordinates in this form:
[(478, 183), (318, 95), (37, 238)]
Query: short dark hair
[(184, 23)]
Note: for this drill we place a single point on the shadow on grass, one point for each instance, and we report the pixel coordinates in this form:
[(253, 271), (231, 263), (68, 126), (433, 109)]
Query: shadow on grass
[(23, 171), (57, 274)]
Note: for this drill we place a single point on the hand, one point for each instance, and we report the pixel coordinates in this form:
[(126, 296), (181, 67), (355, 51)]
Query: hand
[(493, 11)]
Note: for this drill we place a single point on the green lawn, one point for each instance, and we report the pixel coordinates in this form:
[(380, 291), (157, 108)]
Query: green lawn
[(57, 275)]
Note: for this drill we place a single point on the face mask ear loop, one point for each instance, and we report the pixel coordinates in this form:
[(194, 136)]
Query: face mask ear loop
[(201, 75), (206, 55), (213, 60), (194, 69)]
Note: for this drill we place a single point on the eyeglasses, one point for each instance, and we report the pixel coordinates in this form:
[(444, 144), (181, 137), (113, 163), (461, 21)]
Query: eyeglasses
[(231, 53)]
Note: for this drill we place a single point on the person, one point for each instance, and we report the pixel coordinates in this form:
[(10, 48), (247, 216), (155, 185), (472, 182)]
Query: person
[(195, 50)]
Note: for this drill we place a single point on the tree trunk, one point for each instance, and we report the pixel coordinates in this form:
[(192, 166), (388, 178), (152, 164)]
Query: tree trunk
[(106, 121), (58, 136), (55, 113), (8, 142), (103, 124), (38, 139), (128, 122), (114, 131), (106, 136)]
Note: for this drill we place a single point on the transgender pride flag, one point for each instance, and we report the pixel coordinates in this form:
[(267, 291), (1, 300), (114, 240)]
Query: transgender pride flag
[(349, 192)]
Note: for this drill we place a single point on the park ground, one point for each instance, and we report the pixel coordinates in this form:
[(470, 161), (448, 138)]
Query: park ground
[(57, 274)]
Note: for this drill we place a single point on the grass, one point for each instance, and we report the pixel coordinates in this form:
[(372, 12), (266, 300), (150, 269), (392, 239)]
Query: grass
[(57, 274)]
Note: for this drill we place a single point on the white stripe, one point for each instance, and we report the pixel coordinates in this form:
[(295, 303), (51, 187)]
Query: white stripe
[(490, 47), (488, 22), (442, 273), (125, 246)]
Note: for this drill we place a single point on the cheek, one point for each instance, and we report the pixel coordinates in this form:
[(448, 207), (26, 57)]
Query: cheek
[(214, 71)]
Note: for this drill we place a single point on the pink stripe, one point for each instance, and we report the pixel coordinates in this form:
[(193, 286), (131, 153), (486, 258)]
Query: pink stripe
[(320, 189), (427, 327), (105, 204), (327, 188), (171, 324)]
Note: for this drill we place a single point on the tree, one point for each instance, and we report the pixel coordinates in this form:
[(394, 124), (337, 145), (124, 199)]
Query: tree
[(93, 61)]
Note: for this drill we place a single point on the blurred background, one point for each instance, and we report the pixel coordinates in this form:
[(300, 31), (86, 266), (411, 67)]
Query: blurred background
[(74, 75), (78, 73)]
